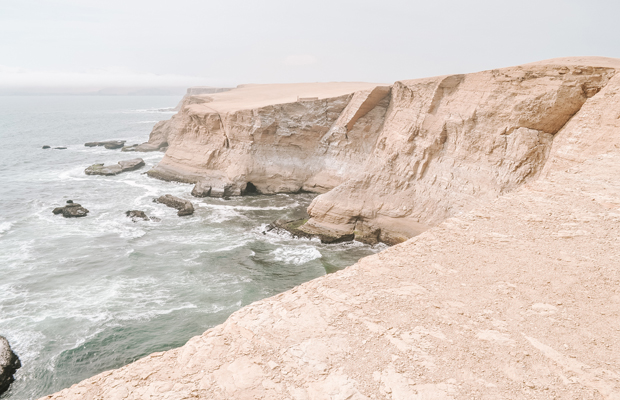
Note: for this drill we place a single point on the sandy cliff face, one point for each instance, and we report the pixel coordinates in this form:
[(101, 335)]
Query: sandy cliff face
[(390, 161)]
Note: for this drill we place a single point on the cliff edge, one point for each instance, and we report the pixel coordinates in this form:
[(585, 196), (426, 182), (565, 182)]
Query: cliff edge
[(390, 161), (518, 298)]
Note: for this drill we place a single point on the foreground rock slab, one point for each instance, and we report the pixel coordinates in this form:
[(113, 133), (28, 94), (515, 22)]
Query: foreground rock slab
[(71, 210), (185, 207), (109, 144), (122, 166), (9, 364)]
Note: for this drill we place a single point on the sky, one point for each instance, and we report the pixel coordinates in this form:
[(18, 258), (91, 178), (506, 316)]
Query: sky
[(88, 45)]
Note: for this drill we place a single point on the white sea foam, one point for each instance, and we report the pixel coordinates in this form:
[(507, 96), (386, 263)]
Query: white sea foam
[(5, 227), (297, 255)]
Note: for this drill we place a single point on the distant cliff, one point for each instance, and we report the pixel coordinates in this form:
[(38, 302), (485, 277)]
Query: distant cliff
[(391, 161)]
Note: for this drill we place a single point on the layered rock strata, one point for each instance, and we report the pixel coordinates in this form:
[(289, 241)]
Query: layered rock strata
[(390, 161)]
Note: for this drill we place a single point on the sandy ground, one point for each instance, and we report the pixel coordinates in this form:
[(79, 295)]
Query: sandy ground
[(255, 96)]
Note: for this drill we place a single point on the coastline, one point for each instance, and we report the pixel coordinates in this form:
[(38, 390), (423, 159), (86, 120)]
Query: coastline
[(510, 294)]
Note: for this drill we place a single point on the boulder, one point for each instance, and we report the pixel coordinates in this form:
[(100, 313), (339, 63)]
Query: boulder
[(185, 207), (71, 210), (60, 148), (46, 147), (9, 363), (109, 144), (201, 189), (135, 215), (122, 166)]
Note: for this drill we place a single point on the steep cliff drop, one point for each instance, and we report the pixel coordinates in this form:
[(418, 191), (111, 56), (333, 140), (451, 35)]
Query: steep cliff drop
[(391, 161), (516, 299)]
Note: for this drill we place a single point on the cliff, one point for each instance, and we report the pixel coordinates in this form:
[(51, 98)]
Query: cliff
[(390, 161), (517, 298)]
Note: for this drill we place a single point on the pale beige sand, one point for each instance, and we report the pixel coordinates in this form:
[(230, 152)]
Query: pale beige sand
[(255, 95)]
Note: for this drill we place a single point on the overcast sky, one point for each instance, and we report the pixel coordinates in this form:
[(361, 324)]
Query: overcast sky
[(141, 43)]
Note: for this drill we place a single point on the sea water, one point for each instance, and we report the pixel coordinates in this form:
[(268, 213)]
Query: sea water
[(79, 296)]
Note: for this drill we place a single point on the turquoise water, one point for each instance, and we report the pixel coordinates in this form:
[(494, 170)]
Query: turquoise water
[(81, 296)]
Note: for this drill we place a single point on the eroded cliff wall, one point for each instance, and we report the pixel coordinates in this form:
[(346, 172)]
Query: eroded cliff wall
[(390, 161)]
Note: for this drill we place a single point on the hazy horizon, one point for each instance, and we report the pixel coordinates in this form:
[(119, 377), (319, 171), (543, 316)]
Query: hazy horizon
[(84, 46)]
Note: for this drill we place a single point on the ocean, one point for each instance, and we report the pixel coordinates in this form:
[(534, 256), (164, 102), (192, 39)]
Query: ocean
[(80, 296)]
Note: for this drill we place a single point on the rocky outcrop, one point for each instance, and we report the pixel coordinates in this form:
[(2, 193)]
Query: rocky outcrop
[(9, 364), (71, 210), (122, 166), (109, 144), (390, 161), (185, 207)]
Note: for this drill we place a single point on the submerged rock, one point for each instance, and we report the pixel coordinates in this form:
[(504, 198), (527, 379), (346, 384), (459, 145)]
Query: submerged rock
[(135, 215), (60, 148), (185, 207), (46, 147), (122, 166), (295, 228), (9, 363), (109, 144), (71, 210)]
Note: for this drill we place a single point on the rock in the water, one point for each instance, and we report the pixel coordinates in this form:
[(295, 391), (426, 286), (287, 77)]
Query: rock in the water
[(295, 228), (185, 207), (122, 166), (60, 148), (9, 363), (201, 189), (109, 144), (46, 147), (131, 165), (71, 210), (135, 215)]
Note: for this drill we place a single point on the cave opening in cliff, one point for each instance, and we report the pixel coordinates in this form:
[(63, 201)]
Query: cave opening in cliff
[(250, 189)]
